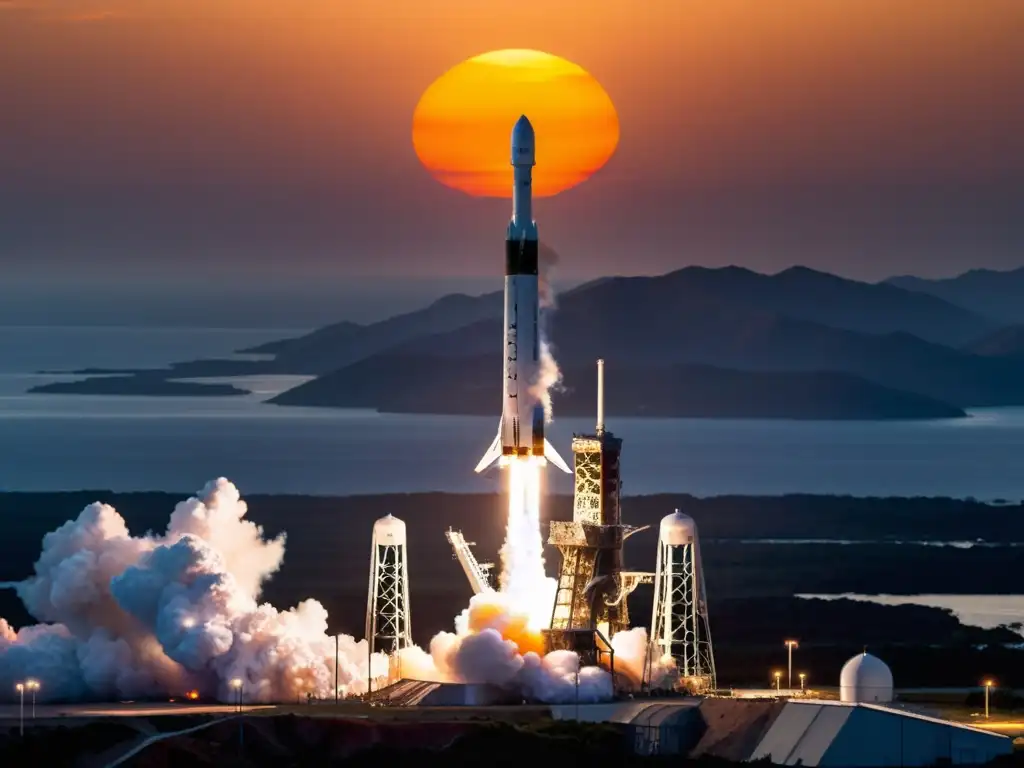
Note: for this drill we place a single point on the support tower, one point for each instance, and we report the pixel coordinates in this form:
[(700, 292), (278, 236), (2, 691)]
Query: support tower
[(679, 624), (388, 620), (592, 585)]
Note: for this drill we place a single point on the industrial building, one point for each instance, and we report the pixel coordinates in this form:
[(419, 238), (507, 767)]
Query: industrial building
[(859, 731), (795, 732), (830, 733)]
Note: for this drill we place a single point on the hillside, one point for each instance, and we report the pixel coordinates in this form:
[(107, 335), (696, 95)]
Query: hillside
[(336, 345), (819, 297), (1006, 342), (467, 386), (999, 295), (640, 322), (797, 293)]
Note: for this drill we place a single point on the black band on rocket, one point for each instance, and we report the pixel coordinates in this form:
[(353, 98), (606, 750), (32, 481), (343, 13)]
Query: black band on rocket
[(520, 257)]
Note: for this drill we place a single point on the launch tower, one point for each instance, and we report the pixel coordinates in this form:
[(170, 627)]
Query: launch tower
[(679, 624), (388, 620), (593, 587)]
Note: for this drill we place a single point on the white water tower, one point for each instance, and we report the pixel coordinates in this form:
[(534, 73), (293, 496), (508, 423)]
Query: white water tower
[(679, 625), (388, 621)]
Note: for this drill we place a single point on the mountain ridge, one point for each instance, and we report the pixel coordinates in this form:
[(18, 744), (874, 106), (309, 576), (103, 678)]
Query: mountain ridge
[(998, 294)]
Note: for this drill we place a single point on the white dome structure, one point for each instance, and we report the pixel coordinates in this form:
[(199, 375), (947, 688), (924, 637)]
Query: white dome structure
[(389, 531), (677, 529), (865, 678)]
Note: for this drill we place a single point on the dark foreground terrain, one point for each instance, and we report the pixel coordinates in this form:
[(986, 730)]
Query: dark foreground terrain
[(891, 546), (288, 740)]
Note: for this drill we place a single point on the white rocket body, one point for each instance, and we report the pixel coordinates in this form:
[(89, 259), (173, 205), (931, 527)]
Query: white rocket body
[(521, 428)]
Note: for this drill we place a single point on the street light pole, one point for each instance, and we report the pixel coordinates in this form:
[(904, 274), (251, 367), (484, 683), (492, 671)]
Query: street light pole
[(33, 685), (20, 687), (790, 645), (988, 687), (803, 677), (236, 686), (577, 691), (778, 682)]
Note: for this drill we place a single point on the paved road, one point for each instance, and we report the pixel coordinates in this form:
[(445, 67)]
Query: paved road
[(133, 751), (10, 712)]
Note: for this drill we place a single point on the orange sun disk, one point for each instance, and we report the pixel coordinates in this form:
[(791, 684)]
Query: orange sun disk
[(462, 125)]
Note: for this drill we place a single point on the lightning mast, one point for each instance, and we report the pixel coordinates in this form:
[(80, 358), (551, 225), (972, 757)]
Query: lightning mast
[(679, 625), (388, 619)]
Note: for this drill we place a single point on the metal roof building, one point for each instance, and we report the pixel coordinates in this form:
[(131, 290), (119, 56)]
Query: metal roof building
[(829, 733)]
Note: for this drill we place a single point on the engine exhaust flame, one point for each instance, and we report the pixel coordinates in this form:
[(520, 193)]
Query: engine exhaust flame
[(528, 590)]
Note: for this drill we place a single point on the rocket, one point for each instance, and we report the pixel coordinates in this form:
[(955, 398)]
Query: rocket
[(521, 428)]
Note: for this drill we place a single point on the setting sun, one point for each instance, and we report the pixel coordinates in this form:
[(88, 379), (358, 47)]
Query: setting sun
[(462, 125)]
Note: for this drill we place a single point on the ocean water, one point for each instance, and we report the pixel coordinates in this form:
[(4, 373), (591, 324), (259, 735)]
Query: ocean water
[(65, 442)]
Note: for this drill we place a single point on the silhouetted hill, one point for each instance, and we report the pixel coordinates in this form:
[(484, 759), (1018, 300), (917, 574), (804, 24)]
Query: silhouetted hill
[(999, 295), (467, 386), (340, 344), (798, 293), (819, 297), (639, 321), (1006, 342)]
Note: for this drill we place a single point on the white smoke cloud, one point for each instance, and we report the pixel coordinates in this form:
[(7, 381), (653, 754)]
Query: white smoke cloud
[(157, 615), (152, 616), (549, 376), (495, 645)]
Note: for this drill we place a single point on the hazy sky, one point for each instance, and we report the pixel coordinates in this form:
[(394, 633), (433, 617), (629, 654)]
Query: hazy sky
[(211, 138)]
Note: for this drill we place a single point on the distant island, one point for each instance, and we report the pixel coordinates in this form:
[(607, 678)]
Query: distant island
[(711, 343), (149, 386)]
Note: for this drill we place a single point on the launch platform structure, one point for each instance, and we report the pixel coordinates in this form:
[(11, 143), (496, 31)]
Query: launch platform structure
[(593, 586), (679, 625), (479, 574), (388, 616)]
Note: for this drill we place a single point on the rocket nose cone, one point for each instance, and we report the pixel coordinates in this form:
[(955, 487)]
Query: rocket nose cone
[(523, 142), (522, 133)]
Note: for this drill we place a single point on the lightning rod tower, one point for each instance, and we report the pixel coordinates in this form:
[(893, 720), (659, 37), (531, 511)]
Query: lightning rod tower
[(679, 624), (388, 619)]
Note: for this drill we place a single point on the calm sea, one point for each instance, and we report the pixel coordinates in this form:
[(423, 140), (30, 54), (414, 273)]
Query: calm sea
[(60, 442)]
